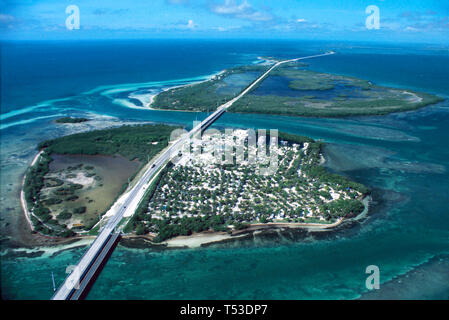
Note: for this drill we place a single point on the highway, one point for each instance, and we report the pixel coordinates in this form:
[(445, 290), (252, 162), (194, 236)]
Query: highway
[(68, 289), (86, 278)]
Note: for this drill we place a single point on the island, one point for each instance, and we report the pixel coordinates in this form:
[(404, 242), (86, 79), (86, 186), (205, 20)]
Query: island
[(75, 179), (71, 120), (225, 196), (293, 90)]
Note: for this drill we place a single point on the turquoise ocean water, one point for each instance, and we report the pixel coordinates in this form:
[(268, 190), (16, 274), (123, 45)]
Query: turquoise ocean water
[(403, 157)]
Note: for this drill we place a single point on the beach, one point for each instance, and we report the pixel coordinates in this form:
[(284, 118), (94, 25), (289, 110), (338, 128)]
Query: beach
[(23, 202), (197, 240)]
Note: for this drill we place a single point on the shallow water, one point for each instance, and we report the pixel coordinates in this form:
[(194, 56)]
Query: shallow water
[(402, 156), (99, 197), (277, 85), (235, 83)]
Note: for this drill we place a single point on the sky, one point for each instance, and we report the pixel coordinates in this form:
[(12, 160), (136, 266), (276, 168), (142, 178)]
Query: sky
[(425, 21)]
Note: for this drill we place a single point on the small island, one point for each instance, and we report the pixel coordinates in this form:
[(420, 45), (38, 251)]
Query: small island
[(293, 90), (71, 120), (76, 178)]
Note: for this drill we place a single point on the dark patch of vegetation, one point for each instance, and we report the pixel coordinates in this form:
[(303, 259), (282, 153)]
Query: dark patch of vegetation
[(40, 217), (292, 138), (34, 180), (240, 226), (77, 167), (72, 198), (79, 210), (68, 190), (131, 142), (64, 215), (52, 201), (340, 107), (53, 182), (343, 208), (71, 120), (186, 226)]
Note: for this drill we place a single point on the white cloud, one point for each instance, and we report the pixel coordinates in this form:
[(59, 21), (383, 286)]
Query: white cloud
[(191, 24), (411, 29), (301, 20), (242, 11), (181, 25), (231, 7)]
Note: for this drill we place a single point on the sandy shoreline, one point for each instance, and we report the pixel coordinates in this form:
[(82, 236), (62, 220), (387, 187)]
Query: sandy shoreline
[(152, 97), (50, 249), (208, 237), (23, 202), (414, 97), (200, 239), (195, 240)]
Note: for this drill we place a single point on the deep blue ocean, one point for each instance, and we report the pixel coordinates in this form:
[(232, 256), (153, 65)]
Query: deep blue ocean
[(403, 157)]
